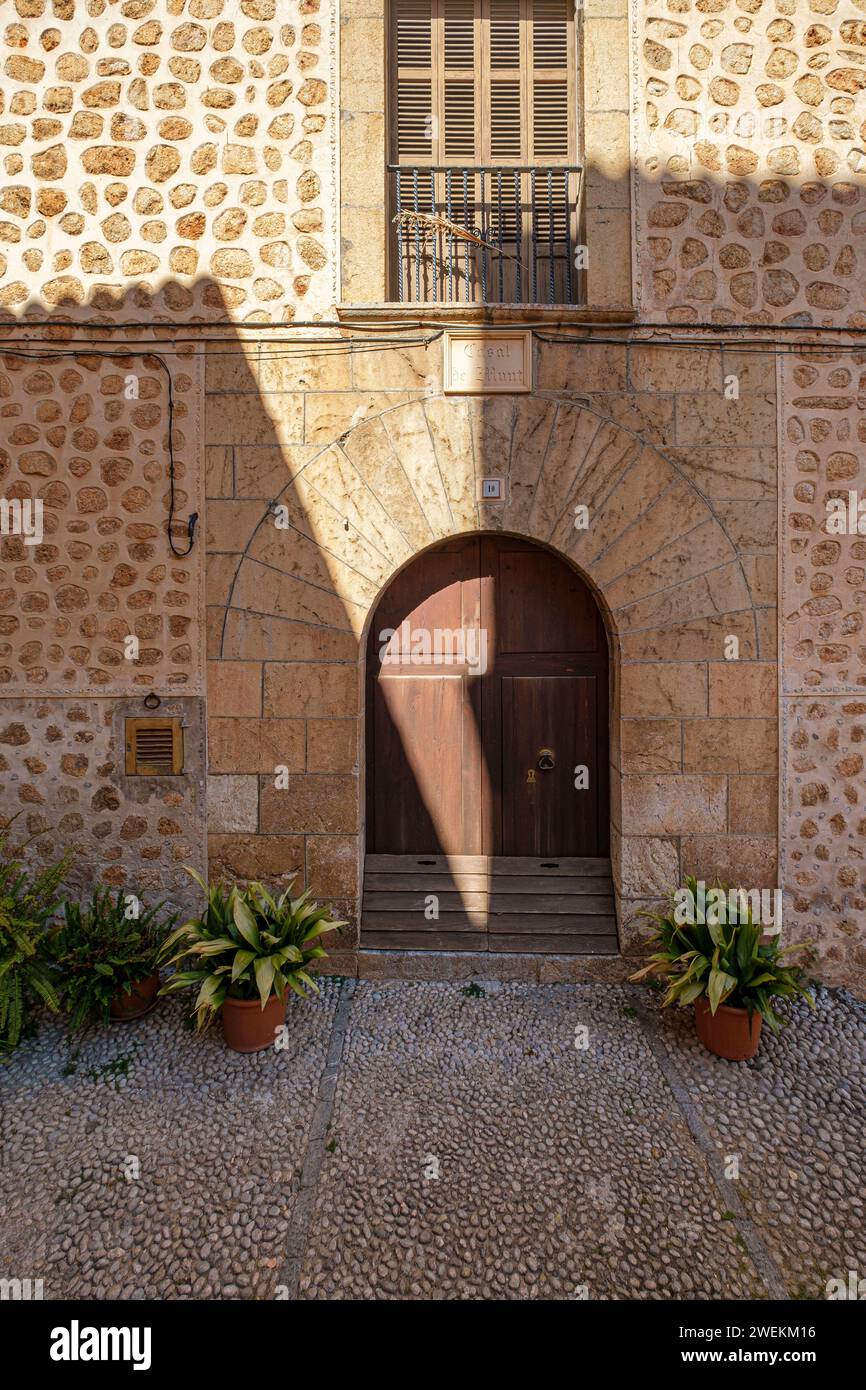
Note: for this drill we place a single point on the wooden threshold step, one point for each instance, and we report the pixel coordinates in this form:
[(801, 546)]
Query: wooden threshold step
[(485, 863), (430, 881), (495, 904)]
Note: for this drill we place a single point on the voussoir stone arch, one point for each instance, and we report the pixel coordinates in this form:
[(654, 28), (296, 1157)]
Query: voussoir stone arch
[(667, 573)]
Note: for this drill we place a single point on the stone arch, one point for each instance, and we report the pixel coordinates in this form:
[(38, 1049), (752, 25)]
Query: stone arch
[(668, 576), (400, 480)]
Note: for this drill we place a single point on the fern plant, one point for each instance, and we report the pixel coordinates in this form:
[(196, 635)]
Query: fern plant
[(28, 902), (721, 957), (247, 944), (102, 949)]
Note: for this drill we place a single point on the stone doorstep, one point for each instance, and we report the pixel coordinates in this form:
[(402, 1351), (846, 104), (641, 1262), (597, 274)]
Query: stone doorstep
[(502, 966)]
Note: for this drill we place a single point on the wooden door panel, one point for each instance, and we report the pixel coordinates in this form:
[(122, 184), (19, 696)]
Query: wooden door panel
[(542, 606), (542, 811), (440, 590), (418, 766)]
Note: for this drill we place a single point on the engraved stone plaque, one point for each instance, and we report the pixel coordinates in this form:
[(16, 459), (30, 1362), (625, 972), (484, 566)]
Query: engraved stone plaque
[(478, 363)]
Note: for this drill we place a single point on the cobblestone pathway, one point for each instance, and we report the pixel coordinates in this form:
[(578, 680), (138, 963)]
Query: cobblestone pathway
[(438, 1141)]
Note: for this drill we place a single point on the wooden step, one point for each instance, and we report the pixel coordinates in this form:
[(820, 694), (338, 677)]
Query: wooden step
[(491, 903), (407, 940), (433, 882), (565, 925), (488, 903), (557, 945), (483, 863)]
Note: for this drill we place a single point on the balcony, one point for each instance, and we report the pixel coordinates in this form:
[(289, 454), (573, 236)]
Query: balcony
[(485, 234)]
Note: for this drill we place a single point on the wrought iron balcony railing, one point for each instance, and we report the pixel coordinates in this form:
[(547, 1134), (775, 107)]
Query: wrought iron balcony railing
[(486, 234)]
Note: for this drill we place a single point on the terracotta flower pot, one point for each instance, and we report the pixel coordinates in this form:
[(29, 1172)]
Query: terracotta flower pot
[(247, 1027), (139, 999), (727, 1032)]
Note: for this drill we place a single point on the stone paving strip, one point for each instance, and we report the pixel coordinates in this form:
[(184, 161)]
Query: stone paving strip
[(478, 1151), (429, 1140), (794, 1118)]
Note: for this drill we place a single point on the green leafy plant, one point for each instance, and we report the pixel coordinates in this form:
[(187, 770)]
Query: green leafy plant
[(246, 945), (722, 957), (28, 902), (101, 949)]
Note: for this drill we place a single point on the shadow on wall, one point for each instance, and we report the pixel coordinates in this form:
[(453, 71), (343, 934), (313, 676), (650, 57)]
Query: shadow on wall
[(371, 464), (718, 243), (363, 463)]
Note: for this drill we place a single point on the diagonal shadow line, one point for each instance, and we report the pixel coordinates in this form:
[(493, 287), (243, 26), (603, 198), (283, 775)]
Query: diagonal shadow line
[(323, 584)]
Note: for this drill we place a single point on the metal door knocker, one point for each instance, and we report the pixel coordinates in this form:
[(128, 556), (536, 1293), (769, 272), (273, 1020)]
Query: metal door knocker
[(546, 760)]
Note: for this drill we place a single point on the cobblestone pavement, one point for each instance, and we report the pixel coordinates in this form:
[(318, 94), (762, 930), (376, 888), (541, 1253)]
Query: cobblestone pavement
[(438, 1141)]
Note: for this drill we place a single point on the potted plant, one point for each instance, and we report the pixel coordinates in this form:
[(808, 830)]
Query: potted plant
[(244, 953), (28, 901), (106, 955), (712, 956)]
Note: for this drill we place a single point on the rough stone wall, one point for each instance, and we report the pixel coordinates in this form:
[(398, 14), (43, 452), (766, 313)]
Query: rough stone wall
[(374, 464), (824, 658), (167, 157), (99, 463), (751, 137), (63, 778)]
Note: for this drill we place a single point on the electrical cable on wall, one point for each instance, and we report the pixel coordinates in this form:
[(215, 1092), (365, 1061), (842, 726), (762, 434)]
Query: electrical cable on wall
[(420, 323), (61, 354), (294, 347), (631, 335)]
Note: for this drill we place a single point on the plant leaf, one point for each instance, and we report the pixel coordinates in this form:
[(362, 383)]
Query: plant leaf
[(245, 921)]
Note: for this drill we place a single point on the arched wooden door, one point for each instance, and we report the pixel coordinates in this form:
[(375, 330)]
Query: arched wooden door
[(487, 755)]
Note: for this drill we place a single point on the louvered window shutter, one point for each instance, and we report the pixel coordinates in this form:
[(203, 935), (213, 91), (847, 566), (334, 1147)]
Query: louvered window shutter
[(414, 99), (483, 82), (551, 55)]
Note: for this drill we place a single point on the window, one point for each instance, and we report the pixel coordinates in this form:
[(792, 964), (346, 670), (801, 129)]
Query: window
[(484, 137), (483, 81)]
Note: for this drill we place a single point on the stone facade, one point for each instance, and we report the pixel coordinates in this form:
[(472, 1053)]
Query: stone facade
[(101, 613), (168, 159), (378, 475), (751, 139), (63, 774), (175, 163), (823, 655), (87, 437)]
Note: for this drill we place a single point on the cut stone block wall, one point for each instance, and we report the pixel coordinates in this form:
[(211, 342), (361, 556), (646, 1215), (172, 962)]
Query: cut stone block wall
[(373, 464)]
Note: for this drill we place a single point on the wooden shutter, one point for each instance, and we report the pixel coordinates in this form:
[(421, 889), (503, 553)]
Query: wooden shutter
[(507, 95), (154, 747), (551, 60), (483, 82), (413, 94)]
